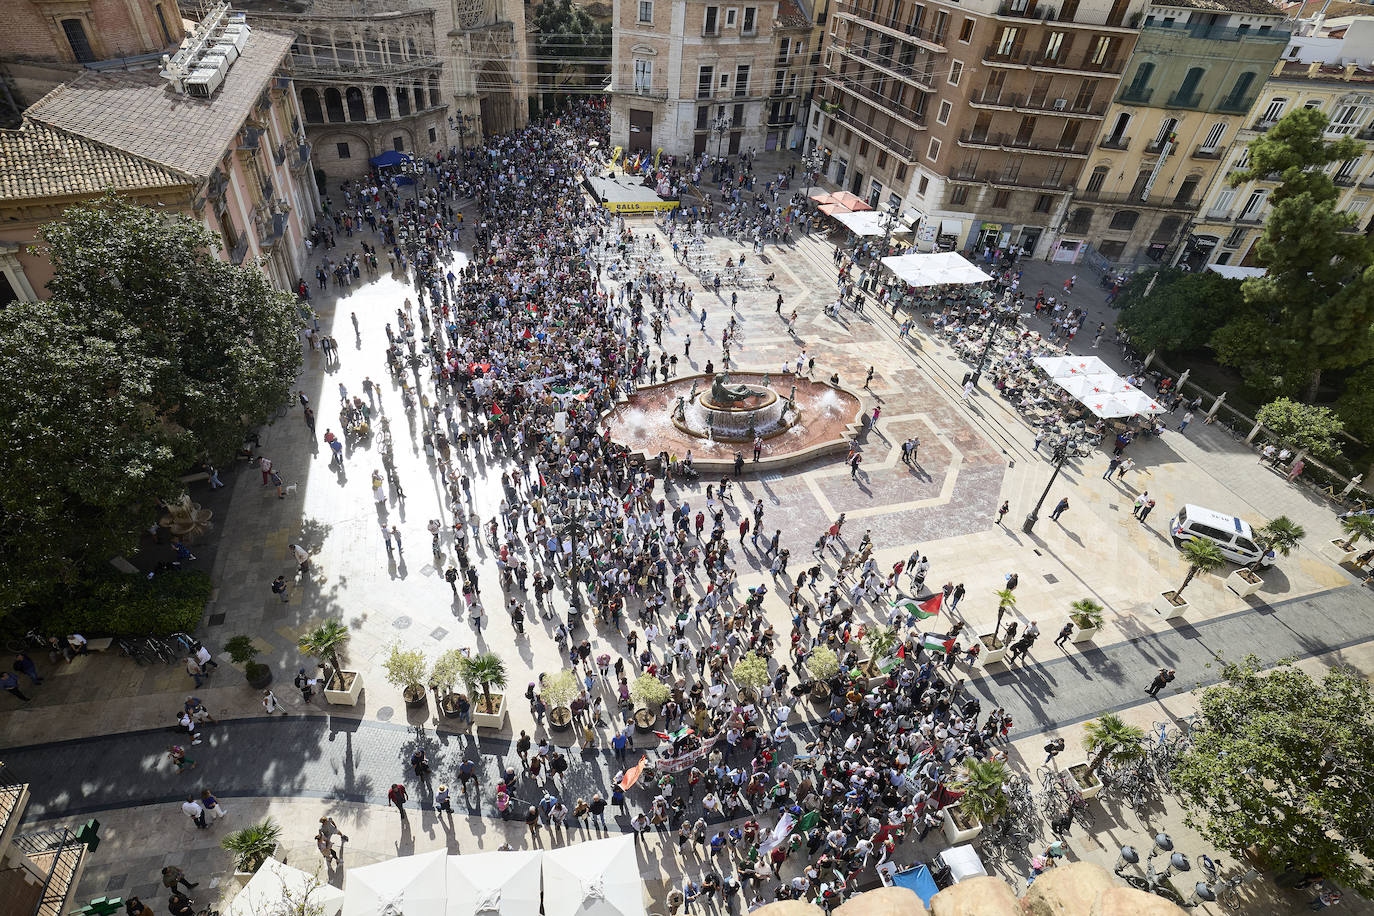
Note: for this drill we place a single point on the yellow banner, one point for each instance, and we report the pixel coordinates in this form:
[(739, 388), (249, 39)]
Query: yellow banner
[(615, 155), (639, 206)]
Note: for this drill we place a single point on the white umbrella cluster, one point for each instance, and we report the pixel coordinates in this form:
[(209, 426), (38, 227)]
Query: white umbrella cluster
[(1097, 387)]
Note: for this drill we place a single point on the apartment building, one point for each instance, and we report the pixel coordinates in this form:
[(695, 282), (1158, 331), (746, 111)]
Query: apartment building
[(975, 119), (1326, 66), (692, 77), (1197, 68)]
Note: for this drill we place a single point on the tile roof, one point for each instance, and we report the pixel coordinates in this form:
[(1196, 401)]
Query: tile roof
[(140, 113), (790, 16), (1333, 10), (37, 161)]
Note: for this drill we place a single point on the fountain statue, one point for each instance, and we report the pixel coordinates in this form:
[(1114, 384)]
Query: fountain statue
[(692, 395), (185, 519), (765, 380), (724, 394), (680, 409)]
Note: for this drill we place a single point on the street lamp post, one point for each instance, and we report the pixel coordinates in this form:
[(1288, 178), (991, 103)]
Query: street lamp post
[(462, 126), (1003, 314), (1066, 448), (892, 209), (720, 126)]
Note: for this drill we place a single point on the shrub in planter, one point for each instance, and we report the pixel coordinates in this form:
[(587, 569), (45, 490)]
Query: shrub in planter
[(252, 845), (560, 689), (1357, 528), (751, 672), (1280, 535), (649, 695), (407, 669), (823, 665), (984, 799), (242, 652), (447, 671), (1109, 738), (134, 606), (1201, 556)]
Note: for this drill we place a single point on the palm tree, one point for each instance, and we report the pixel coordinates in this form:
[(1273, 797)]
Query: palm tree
[(1201, 556), (881, 642), (1006, 598), (1109, 738), (1357, 527), (984, 799), (487, 671), (324, 643), (1280, 535), (1086, 613)]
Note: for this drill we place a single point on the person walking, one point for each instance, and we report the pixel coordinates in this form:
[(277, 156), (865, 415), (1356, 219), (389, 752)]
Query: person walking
[(192, 809), (1140, 502), (1145, 510), (1187, 418), (194, 669), (1111, 466), (270, 703), (1064, 633), (211, 804), (25, 666), (1052, 748), (1060, 508), (1003, 510), (398, 796), (11, 684), (1162, 680), (326, 849), (172, 876), (305, 684)]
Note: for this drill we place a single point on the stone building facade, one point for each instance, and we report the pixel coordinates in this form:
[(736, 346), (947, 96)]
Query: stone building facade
[(415, 76), (695, 77)]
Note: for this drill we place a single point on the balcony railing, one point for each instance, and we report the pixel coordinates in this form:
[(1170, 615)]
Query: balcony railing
[(272, 231), (1263, 124), (1207, 152), (1020, 144), (302, 156), (249, 138), (905, 29), (996, 178), (1133, 95), (1185, 99), (902, 149), (305, 66), (923, 80), (994, 55), (1027, 11), (885, 105), (1116, 143), (1158, 203), (1042, 104), (55, 854), (240, 252), (644, 92), (1216, 33)]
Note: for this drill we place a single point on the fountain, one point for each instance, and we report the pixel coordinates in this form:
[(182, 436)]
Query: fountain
[(734, 409), (186, 519)]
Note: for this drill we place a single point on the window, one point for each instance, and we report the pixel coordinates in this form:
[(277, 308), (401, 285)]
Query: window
[(711, 26), (1187, 95), (342, 150), (1253, 204), (1187, 189), (1167, 229), (357, 111), (310, 103), (1053, 45), (704, 117), (742, 79), (1001, 200), (725, 81), (704, 77), (966, 31), (1102, 51), (76, 37), (162, 23), (1096, 179), (751, 18), (1214, 136), (1239, 91), (1111, 249), (1236, 237), (644, 75), (646, 11), (1140, 82), (333, 105), (1043, 202), (381, 103), (1081, 219), (1243, 162), (1006, 42), (1226, 198), (933, 152), (1346, 120), (1346, 172), (1274, 111), (737, 116), (432, 135), (901, 172), (863, 149), (730, 16), (956, 71), (959, 195), (882, 158), (1124, 220), (398, 144), (945, 110), (922, 186)]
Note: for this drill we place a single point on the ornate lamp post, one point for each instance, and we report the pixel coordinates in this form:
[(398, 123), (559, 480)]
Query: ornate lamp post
[(462, 125), (1001, 314), (1075, 445), (718, 127)]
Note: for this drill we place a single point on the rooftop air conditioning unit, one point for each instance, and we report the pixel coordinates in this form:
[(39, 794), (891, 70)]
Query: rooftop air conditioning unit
[(237, 35), (228, 49), (203, 81), (1061, 104)]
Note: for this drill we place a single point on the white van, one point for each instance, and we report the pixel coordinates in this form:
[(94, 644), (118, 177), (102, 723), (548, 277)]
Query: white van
[(1232, 535)]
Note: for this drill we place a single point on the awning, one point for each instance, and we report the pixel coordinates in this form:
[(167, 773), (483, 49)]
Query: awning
[(823, 198), (918, 881), (934, 268), (849, 201), (1057, 367), (832, 209), (963, 862), (870, 222), (390, 157), (954, 227), (1096, 387), (279, 888)]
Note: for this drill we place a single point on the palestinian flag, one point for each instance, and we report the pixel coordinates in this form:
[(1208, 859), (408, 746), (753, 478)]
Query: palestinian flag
[(808, 820), (919, 610), (576, 393), (934, 643), (684, 732)]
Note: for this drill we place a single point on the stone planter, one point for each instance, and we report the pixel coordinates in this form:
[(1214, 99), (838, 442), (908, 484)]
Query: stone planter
[(644, 719), (955, 832), (1083, 634), (345, 693), (1243, 582), (1339, 551), (448, 705), (1088, 785), (820, 693), (415, 697), (258, 675), (484, 719), (990, 655), (1172, 608)]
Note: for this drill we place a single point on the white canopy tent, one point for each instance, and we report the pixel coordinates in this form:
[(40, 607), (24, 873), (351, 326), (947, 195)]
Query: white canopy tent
[(1097, 387), (934, 268), (869, 222), (404, 886), (1058, 367), (600, 878), (277, 889), (963, 863), (495, 883)]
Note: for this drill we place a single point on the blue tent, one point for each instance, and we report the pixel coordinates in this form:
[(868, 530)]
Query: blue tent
[(918, 881), (389, 158)]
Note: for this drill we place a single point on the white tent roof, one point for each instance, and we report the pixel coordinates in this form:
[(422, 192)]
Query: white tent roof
[(934, 268), (963, 863), (600, 878), (1057, 367), (1097, 388), (278, 888), (1232, 272), (868, 222), (405, 886), (494, 883)]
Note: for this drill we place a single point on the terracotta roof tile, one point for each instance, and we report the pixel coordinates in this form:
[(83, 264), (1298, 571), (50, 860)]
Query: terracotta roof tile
[(140, 113), (37, 161)]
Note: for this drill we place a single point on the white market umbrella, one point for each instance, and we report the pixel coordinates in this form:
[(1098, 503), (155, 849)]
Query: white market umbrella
[(600, 878), (404, 886), (494, 883), (278, 889), (1057, 367)]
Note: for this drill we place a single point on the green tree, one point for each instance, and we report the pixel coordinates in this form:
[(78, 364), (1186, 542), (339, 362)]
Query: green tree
[(1182, 310), (487, 670), (1311, 428), (1355, 406), (983, 797), (1280, 535), (1281, 765), (572, 49), (1110, 739), (1201, 556), (1314, 308), (151, 354), (325, 642), (1357, 527)]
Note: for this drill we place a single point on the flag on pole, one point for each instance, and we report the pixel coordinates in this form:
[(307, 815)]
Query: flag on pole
[(633, 773), (919, 610), (678, 735), (779, 834), (934, 643)]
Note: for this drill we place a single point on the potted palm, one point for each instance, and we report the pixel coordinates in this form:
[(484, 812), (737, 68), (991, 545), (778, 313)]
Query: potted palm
[(447, 672), (994, 650), (408, 670), (1201, 556), (823, 665), (1356, 528), (1110, 740), (242, 652), (324, 644), (983, 800), (252, 846), (1280, 536), (559, 691), (881, 642), (486, 671), (1086, 615), (649, 695)]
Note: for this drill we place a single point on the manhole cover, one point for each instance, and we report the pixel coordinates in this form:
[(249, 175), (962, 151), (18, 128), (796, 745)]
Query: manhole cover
[(401, 622), (439, 633), (216, 619), (1114, 507), (1051, 578)]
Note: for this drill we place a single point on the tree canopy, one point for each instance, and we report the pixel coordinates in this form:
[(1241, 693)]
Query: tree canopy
[(571, 46), (1314, 308), (1312, 428), (1169, 319), (151, 354), (1283, 764)]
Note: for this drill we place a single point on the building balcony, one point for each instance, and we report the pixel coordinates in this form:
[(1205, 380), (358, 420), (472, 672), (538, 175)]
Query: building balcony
[(1233, 105), (1132, 95), (1207, 152), (302, 157), (1185, 100), (891, 66), (1005, 101), (271, 231), (1120, 144), (1112, 66), (1133, 200), (1367, 182), (240, 252), (1208, 32), (1002, 179), (898, 148), (250, 138), (306, 67), (1366, 134), (53, 861), (1262, 125), (884, 105), (781, 119), (1027, 11), (1011, 101), (982, 140), (888, 25), (1344, 181), (644, 92)]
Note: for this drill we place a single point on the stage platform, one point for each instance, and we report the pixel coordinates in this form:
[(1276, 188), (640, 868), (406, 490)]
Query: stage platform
[(626, 194)]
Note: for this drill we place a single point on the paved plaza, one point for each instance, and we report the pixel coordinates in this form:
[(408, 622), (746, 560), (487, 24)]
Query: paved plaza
[(95, 736)]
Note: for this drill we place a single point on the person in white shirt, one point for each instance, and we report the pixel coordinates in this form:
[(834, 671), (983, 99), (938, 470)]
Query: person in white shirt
[(192, 809)]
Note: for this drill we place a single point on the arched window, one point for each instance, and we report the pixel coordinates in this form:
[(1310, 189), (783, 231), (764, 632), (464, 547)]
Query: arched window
[(1141, 81), (310, 101), (333, 105), (1096, 179), (411, 52), (347, 51), (402, 101), (357, 111), (372, 48), (1188, 95), (1239, 99), (1124, 220), (1168, 228), (381, 103)]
